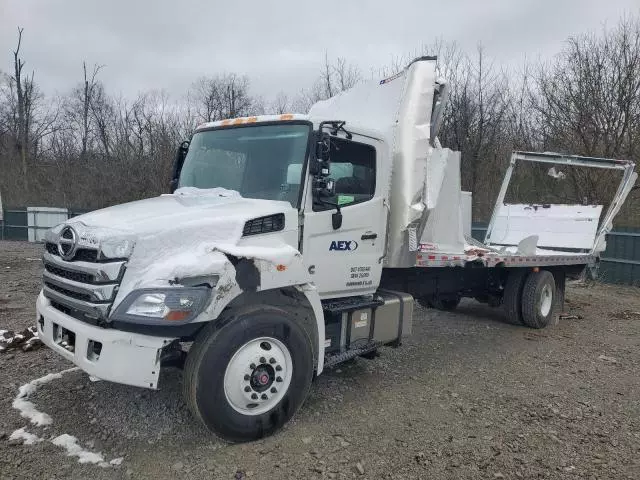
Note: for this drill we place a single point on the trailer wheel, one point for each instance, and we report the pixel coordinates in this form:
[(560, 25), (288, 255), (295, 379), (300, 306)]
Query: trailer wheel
[(539, 299), (512, 296), (247, 378)]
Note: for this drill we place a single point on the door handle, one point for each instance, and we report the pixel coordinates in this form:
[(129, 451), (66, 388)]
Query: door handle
[(369, 236)]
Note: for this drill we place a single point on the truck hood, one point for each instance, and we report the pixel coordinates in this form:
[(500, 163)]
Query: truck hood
[(188, 233), (184, 207)]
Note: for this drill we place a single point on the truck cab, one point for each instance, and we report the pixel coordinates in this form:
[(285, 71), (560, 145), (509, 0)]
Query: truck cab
[(266, 257)]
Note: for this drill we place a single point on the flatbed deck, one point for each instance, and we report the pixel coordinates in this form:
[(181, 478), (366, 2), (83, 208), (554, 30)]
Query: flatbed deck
[(507, 258)]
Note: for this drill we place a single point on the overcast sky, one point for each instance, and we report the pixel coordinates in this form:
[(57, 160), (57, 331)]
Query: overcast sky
[(279, 44)]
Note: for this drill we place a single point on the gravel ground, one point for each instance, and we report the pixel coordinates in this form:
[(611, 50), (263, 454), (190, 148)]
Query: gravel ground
[(467, 396)]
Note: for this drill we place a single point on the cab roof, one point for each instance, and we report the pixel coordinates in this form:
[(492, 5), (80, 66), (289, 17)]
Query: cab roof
[(287, 117)]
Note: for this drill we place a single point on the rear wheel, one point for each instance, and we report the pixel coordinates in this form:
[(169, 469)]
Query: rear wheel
[(247, 379), (512, 297), (539, 299)]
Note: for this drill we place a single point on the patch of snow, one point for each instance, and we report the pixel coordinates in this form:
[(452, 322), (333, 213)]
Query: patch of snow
[(32, 340), (70, 444), (26, 408), (26, 437), (212, 192), (558, 175)]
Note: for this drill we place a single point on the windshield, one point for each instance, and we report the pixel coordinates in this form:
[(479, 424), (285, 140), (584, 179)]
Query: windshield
[(262, 161)]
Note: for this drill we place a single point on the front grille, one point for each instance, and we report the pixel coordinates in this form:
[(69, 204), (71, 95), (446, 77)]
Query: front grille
[(72, 312), (86, 255), (69, 293), (62, 308), (70, 274), (83, 287), (82, 254)]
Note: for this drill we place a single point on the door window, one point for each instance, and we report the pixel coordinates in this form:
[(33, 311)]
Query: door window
[(353, 169)]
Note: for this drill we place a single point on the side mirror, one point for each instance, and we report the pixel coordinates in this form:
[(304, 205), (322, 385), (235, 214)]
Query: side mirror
[(178, 162), (321, 163), (320, 168)]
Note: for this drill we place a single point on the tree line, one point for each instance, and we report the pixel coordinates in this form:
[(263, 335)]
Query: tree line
[(88, 148)]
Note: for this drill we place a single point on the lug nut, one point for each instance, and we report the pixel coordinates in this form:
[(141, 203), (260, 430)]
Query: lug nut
[(263, 360), (273, 390), (252, 366), (272, 360), (278, 368), (247, 388), (247, 378), (254, 396), (264, 396), (278, 379)]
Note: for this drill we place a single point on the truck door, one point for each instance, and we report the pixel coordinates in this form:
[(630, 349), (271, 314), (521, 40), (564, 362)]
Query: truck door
[(348, 260)]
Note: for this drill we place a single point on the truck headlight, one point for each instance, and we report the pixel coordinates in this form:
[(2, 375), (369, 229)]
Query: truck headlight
[(161, 306)]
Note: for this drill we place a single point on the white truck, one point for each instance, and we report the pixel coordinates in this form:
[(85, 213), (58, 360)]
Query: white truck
[(291, 243)]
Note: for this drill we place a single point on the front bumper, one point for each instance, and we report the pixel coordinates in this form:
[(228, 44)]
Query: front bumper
[(128, 358)]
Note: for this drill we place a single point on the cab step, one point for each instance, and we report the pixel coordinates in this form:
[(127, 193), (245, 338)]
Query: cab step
[(335, 359)]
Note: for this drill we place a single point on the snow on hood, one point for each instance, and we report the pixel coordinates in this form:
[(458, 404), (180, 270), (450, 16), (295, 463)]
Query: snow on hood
[(184, 234), (184, 206)]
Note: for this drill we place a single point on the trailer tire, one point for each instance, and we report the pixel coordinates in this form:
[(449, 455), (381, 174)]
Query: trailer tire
[(539, 299), (246, 378), (512, 296)]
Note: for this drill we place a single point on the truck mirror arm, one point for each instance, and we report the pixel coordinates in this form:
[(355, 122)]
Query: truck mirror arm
[(336, 218), (178, 162)]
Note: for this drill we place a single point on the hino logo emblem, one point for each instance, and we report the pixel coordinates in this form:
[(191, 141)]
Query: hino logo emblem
[(67, 243)]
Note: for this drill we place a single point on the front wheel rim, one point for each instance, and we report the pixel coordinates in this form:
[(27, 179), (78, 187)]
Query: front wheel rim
[(258, 376)]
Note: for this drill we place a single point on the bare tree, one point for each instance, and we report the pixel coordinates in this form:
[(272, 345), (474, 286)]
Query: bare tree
[(23, 92), (588, 102), (281, 104), (89, 86), (334, 78), (220, 97)]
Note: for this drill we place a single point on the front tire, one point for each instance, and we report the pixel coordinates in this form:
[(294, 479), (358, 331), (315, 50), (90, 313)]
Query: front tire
[(246, 379)]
